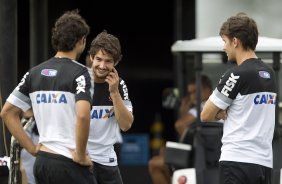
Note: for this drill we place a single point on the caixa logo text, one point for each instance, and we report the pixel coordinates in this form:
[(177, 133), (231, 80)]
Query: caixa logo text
[(265, 99), (102, 113), (50, 98)]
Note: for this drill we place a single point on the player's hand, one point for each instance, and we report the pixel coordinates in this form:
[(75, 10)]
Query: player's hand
[(113, 80), (222, 114), (36, 149), (82, 160)]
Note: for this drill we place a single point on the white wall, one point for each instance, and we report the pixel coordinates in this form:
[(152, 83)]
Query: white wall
[(210, 14)]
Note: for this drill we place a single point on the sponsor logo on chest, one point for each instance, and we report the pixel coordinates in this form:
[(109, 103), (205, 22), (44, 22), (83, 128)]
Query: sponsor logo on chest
[(102, 113), (265, 99), (50, 98)]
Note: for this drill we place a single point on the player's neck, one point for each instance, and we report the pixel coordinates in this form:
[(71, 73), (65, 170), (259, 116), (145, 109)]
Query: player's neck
[(69, 55), (244, 56)]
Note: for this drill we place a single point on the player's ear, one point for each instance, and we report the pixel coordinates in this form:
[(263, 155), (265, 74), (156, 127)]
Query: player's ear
[(91, 57)]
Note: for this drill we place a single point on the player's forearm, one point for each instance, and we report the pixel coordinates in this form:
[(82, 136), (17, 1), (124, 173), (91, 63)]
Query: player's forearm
[(82, 132), (13, 124), (209, 112), (122, 114), (82, 126)]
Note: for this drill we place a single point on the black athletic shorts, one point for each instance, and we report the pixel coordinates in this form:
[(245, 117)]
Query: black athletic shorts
[(57, 169), (243, 173), (107, 174)]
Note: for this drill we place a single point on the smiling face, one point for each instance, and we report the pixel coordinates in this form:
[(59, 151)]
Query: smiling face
[(102, 65)]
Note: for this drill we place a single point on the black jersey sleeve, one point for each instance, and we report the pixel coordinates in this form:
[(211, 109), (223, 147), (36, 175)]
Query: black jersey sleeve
[(123, 90), (22, 89), (23, 85), (82, 84), (229, 84)]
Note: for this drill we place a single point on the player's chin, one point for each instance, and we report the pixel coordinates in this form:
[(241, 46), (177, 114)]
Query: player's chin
[(102, 76)]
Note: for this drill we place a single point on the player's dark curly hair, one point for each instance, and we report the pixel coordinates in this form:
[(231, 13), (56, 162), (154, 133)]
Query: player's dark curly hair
[(106, 43), (68, 29), (243, 28)]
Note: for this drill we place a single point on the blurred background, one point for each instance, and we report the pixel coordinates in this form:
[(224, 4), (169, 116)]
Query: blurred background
[(146, 29)]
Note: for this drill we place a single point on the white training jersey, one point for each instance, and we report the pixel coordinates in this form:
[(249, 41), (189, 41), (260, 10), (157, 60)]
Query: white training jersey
[(248, 92), (51, 89), (104, 128)]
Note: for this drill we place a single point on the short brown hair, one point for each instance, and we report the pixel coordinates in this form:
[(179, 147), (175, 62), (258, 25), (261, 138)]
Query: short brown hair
[(242, 27), (108, 43)]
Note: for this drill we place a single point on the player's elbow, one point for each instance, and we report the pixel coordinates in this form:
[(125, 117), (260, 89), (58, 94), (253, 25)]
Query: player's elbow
[(127, 124), (83, 117), (4, 114), (126, 127)]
